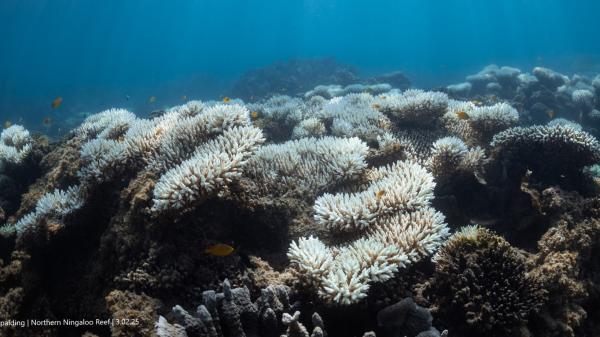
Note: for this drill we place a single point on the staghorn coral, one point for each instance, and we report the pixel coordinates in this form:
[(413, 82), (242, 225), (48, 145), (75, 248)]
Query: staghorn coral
[(481, 285), (214, 166), (108, 124), (400, 228), (15, 145), (307, 164)]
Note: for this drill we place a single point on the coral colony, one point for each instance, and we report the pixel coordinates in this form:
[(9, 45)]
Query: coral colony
[(417, 212)]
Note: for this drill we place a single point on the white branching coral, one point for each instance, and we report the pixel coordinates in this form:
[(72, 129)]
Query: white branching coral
[(181, 135), (583, 98), (281, 109), (15, 144), (108, 124), (55, 205), (450, 155), (414, 106), (102, 159), (399, 228), (310, 127), (401, 187), (476, 125), (308, 164), (211, 169), (355, 115)]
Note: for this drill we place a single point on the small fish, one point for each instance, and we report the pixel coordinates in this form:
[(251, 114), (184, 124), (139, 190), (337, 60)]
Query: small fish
[(56, 102), (226, 99), (551, 114), (152, 99), (493, 98), (379, 194), (477, 102), (7, 124), (183, 98), (47, 121), (376, 106), (462, 115), (219, 249), (383, 96), (254, 114), (127, 97)]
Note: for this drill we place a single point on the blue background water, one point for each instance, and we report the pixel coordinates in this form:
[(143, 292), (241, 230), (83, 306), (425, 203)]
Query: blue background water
[(93, 53)]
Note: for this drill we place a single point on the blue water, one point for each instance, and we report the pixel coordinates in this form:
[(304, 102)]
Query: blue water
[(94, 53)]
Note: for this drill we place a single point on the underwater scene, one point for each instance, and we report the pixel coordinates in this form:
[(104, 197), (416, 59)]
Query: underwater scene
[(300, 168)]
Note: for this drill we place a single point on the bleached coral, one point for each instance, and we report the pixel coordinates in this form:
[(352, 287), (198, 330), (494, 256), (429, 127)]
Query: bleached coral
[(565, 122), (15, 144), (583, 98), (450, 155), (211, 169), (102, 159), (355, 115), (399, 228), (476, 125), (401, 187), (56, 205), (180, 136), (310, 127), (414, 106), (280, 108), (108, 124), (335, 90), (308, 164)]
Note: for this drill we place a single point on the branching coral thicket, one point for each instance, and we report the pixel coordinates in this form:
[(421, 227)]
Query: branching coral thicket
[(214, 166), (399, 228), (307, 164), (15, 144)]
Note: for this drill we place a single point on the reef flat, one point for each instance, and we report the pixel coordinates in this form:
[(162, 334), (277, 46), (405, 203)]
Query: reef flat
[(347, 210)]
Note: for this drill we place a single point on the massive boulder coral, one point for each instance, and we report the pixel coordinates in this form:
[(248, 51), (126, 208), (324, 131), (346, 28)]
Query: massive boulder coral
[(481, 285), (399, 228)]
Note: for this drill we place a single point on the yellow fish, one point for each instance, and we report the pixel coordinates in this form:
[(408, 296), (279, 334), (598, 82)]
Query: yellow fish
[(379, 194), (462, 115), (219, 249), (376, 106), (226, 99), (254, 114), (551, 114), (152, 99), (184, 98), (7, 124), (56, 102)]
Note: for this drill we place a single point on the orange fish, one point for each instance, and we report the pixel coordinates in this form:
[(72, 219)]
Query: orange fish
[(379, 194), (254, 114), (551, 114), (462, 115), (47, 121), (56, 102), (226, 99), (152, 99), (219, 249)]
